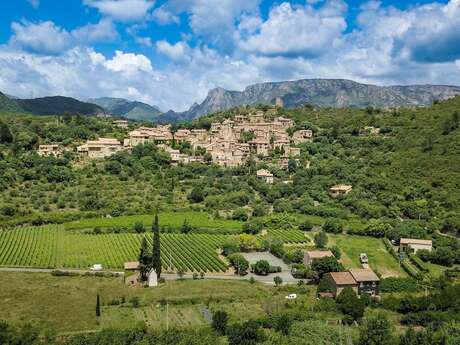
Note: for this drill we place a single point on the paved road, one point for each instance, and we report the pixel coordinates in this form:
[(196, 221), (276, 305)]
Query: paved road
[(287, 278)]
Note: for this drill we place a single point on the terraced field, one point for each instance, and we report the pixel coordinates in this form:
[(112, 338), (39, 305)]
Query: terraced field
[(54, 247)]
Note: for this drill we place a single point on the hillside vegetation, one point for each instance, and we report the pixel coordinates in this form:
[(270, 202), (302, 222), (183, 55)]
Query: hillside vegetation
[(407, 172)]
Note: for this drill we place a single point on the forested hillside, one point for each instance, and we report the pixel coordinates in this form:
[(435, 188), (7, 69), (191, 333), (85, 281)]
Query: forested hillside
[(407, 172)]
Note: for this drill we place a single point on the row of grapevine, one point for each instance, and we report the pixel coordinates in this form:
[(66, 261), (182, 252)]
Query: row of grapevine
[(29, 247), (53, 247), (289, 236)]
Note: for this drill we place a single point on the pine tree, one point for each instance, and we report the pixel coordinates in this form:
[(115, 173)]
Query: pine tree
[(98, 306), (145, 260), (156, 251)]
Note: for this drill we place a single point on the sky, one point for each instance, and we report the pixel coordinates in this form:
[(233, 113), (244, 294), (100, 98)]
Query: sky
[(170, 53)]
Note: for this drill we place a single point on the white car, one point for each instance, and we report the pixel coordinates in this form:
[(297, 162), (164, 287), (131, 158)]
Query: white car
[(291, 296), (96, 267)]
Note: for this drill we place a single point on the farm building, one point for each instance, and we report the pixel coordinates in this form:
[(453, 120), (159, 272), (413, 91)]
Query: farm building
[(340, 189), (341, 280), (310, 255), (266, 175), (360, 280), (131, 265), (412, 245), (367, 280)]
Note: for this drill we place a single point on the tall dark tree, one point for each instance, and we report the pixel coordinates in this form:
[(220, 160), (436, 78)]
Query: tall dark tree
[(98, 305), (145, 261), (376, 330), (156, 250), (5, 134)]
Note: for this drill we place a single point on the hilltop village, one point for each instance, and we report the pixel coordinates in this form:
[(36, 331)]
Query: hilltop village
[(229, 143)]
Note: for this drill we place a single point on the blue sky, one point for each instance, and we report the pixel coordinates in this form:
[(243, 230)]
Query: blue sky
[(171, 52)]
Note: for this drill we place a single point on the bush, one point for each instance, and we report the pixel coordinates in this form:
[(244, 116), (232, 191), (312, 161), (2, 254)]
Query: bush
[(261, 268), (306, 225), (394, 284), (139, 227), (240, 264), (349, 303), (333, 226), (253, 227), (240, 214)]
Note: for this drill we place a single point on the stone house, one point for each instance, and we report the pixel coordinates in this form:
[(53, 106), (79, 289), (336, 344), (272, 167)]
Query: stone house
[(341, 280), (266, 175), (302, 136), (100, 148), (340, 189), (362, 281), (49, 150), (311, 255), (121, 123), (411, 245), (368, 281)]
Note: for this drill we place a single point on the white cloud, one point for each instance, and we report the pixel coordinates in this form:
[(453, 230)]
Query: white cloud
[(122, 10), (173, 51), (34, 3), (41, 37), (129, 64), (102, 31), (298, 31), (47, 38), (212, 20)]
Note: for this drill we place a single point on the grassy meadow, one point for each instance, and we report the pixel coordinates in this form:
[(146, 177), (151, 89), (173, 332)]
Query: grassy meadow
[(67, 304), (379, 258)]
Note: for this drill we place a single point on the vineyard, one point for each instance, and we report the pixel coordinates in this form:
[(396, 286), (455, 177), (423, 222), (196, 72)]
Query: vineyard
[(54, 247), (289, 236), (198, 220)]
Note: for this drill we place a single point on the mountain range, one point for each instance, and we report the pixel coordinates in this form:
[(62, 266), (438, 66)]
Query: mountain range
[(55, 105), (130, 110), (337, 93)]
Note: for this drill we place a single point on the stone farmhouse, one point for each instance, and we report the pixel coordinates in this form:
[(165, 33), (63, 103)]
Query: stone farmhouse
[(311, 255), (49, 150), (362, 281), (411, 245), (100, 148)]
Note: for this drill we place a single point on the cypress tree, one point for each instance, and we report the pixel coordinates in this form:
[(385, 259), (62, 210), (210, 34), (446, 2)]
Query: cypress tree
[(156, 251), (98, 306), (144, 260)]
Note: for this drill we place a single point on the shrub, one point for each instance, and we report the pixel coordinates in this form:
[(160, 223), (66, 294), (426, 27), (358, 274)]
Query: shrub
[(240, 264), (306, 225), (333, 225), (261, 267)]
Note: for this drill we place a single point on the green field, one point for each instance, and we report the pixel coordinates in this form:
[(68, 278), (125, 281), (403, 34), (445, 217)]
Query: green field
[(379, 258), (54, 247), (199, 220), (65, 304), (289, 236)]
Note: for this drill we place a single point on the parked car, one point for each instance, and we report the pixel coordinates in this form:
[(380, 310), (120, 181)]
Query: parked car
[(291, 296), (96, 267), (363, 258)]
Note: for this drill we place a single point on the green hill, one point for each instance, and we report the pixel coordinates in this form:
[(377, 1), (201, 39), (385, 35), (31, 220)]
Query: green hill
[(130, 110), (56, 105), (8, 105)]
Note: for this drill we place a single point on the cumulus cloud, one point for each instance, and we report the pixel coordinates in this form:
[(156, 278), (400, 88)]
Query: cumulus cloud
[(122, 10), (212, 20), (173, 51), (34, 3), (48, 38), (298, 31)]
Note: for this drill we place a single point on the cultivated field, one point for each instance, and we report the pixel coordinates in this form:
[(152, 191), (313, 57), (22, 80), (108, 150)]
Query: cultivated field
[(52, 246), (198, 220)]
